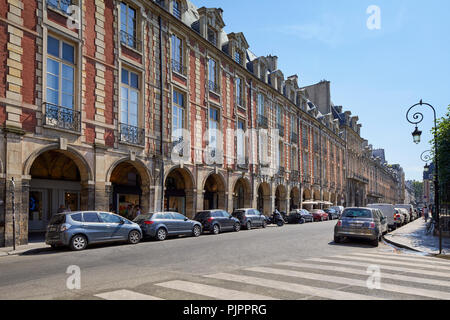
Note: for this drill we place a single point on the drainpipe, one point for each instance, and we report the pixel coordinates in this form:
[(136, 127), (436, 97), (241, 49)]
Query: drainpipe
[(161, 85), (251, 141)]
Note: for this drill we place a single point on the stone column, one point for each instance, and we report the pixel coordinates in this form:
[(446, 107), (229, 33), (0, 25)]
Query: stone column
[(87, 195)]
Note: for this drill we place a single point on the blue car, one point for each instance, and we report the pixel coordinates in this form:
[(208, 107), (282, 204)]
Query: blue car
[(78, 229), (160, 225)]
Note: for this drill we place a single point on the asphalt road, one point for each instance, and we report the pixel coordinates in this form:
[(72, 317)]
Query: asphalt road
[(42, 274)]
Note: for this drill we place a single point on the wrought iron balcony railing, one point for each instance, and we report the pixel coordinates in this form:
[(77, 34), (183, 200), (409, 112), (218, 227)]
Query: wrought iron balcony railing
[(132, 134), (281, 171), (62, 118), (60, 5), (213, 86), (178, 67), (294, 137), (263, 122), (130, 40), (242, 163), (306, 179), (176, 141), (295, 175)]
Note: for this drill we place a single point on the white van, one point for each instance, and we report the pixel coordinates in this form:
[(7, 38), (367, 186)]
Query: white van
[(388, 210)]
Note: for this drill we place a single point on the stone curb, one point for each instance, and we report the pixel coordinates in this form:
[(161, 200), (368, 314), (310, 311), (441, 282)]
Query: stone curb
[(17, 252), (403, 246)]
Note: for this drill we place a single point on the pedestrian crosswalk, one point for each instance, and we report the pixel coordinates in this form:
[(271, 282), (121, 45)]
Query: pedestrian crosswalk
[(337, 277)]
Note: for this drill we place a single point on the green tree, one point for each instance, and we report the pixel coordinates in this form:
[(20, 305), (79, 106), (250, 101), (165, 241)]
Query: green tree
[(443, 156)]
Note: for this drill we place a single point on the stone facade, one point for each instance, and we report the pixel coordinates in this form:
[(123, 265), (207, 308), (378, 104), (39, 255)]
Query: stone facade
[(89, 155)]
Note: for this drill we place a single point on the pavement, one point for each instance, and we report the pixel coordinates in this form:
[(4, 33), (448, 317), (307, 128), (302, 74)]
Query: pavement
[(413, 237), (35, 246)]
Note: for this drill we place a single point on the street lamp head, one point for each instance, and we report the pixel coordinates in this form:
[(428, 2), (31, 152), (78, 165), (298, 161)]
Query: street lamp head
[(426, 168), (417, 135)]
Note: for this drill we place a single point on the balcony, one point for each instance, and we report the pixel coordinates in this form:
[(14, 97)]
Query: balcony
[(175, 142), (59, 5), (306, 179), (178, 67), (212, 85), (294, 137), (281, 171), (280, 129), (62, 118), (242, 163), (295, 175), (132, 134), (130, 40), (263, 122)]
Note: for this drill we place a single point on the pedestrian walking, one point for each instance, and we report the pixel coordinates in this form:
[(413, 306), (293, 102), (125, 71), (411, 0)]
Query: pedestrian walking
[(138, 211), (425, 213)]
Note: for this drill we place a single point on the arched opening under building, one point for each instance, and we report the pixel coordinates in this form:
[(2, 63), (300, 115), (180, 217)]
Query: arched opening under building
[(214, 193), (263, 200), (242, 194), (128, 189), (280, 198), (55, 186), (178, 193), (295, 199)]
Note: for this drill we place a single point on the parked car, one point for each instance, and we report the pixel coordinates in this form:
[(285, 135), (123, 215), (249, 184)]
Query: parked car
[(405, 213), (388, 211), (300, 216), (216, 221), (339, 209), (362, 223), (319, 215), (399, 218), (80, 229), (160, 225), (410, 209), (332, 214), (250, 218)]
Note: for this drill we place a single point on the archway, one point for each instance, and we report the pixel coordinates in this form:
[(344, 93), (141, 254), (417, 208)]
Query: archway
[(242, 194), (56, 185), (130, 188), (263, 200), (317, 199), (214, 193), (280, 198), (178, 193), (295, 198)]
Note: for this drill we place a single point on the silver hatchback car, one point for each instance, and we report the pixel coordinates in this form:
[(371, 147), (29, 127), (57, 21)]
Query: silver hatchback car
[(363, 223), (78, 229)]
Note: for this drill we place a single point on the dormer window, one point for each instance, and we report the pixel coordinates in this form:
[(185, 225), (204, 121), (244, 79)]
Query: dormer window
[(176, 9), (238, 57), (212, 36)]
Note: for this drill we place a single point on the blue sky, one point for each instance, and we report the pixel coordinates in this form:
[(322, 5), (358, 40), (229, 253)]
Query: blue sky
[(376, 74)]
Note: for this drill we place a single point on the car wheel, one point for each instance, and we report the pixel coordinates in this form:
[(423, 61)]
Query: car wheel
[(78, 242), (249, 225), (375, 242), (134, 237), (302, 221), (216, 229), (237, 227), (280, 223), (264, 225), (337, 239), (161, 234), (196, 231)]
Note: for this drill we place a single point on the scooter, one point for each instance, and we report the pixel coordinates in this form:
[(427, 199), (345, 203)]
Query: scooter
[(276, 218)]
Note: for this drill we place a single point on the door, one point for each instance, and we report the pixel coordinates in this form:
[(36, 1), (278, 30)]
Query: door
[(229, 223), (115, 229), (182, 225), (169, 221), (38, 211), (95, 229)]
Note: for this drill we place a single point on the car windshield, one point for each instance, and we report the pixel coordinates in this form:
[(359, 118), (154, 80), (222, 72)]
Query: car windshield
[(357, 213), (238, 213), (202, 215)]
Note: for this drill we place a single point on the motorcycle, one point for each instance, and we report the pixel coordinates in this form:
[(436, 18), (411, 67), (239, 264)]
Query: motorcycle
[(276, 218)]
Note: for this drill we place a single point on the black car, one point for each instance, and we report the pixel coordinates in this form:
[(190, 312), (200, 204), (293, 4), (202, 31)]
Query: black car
[(250, 218), (216, 221), (300, 216), (332, 214)]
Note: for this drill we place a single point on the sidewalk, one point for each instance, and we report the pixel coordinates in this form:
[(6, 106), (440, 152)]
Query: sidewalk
[(8, 251), (413, 237)]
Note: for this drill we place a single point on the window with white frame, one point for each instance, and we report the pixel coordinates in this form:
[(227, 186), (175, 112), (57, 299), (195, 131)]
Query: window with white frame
[(129, 98), (261, 108), (241, 142), (213, 128), (212, 75), (212, 36), (177, 54), (239, 92), (178, 116), (60, 84), (128, 23), (238, 57), (176, 9)]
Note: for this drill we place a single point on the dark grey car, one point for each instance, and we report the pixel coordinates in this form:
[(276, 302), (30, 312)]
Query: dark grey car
[(300, 216), (250, 218), (216, 221), (160, 225), (78, 229), (364, 223)]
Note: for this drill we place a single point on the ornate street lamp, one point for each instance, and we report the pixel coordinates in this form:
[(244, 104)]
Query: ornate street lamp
[(417, 118)]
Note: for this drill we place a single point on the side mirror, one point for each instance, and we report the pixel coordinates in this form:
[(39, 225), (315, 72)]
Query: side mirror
[(186, 219), (122, 221)]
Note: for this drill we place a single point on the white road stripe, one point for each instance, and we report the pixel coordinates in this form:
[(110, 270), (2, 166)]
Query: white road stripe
[(386, 275), (125, 295), (292, 287), (212, 291), (384, 266), (401, 263), (355, 282), (405, 258)]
